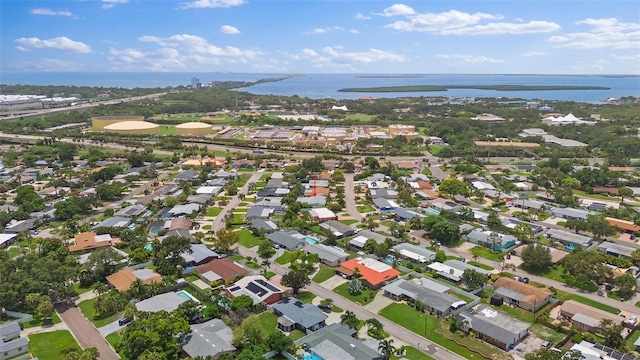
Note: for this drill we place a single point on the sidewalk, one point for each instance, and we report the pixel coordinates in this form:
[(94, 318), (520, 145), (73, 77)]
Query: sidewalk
[(43, 329)]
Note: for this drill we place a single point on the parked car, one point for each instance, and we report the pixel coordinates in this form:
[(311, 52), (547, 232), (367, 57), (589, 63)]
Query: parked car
[(197, 227), (325, 308), (546, 344), (123, 321), (525, 280)]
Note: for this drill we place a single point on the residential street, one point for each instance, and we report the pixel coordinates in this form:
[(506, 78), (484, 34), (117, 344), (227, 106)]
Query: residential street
[(390, 327), (349, 197), (84, 331), (218, 223)]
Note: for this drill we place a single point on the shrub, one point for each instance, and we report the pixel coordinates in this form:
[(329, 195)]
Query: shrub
[(355, 287)]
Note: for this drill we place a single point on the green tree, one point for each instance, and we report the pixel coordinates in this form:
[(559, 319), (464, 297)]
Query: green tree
[(355, 287), (600, 227), (625, 193), (296, 280), (266, 250), (386, 348), (279, 342), (577, 225), (453, 186), (524, 233), (473, 279), (241, 302), (612, 333), (536, 258), (252, 352), (28, 200), (626, 285), (349, 318), (225, 239), (167, 255), (150, 333), (249, 332), (45, 306)]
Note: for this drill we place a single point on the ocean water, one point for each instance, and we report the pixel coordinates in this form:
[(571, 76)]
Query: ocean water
[(326, 85)]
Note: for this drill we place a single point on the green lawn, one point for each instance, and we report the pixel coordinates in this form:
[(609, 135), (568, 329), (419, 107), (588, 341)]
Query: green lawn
[(114, 339), (361, 299), (349, 222), (359, 117), (37, 320), (564, 296), (547, 334), (247, 239), (435, 149), (88, 309), (323, 274), (167, 130), (296, 334), (49, 344), (252, 265), (237, 257), (632, 339), (269, 323), (285, 258), (481, 266), (270, 274), (484, 252), (412, 354), (596, 196), (306, 297), (405, 316), (365, 209), (80, 289), (214, 211)]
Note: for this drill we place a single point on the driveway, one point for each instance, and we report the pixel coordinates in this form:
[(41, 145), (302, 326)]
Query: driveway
[(84, 332), (379, 302), (111, 328), (333, 282)]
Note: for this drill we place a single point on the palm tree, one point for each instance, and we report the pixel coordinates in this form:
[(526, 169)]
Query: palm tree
[(386, 348), (138, 289), (374, 326), (350, 319), (266, 265)]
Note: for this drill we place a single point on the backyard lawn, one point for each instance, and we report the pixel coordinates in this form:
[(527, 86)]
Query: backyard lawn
[(88, 309), (485, 253), (269, 323), (363, 299), (247, 239), (37, 320), (48, 345), (295, 335), (323, 274), (285, 258)]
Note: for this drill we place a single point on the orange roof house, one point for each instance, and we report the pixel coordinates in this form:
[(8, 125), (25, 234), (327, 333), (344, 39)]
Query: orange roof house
[(224, 270), (523, 295), (627, 226), (318, 191), (374, 272), (90, 240), (122, 280)]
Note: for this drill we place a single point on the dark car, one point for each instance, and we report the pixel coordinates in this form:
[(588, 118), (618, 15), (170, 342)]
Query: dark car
[(325, 308), (525, 280), (123, 321)]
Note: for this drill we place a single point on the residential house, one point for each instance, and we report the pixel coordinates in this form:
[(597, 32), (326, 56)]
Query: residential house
[(446, 272), (315, 201), (90, 240), (221, 174), (591, 351), (373, 272), (322, 214), (209, 190), (199, 254), (433, 295), (11, 344), (189, 174), (337, 228), (358, 242), (569, 239), (130, 211), (201, 199), (259, 212), (463, 265), (289, 240), (614, 249), (624, 225), (383, 193), (401, 214), (163, 302), (184, 210), (115, 221), (316, 191), (180, 223), (523, 295), (494, 327), (414, 253), (221, 271), (211, 338), (16, 227), (258, 288), (571, 213), (329, 255), (270, 191), (122, 280), (295, 315), (337, 342), (491, 239), (7, 239), (385, 204), (267, 226), (585, 317)]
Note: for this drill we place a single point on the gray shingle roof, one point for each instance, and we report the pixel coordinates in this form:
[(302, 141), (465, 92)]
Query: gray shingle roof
[(209, 338), (336, 342), (306, 315)]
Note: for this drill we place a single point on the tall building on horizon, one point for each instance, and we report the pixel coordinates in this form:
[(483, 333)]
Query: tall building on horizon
[(195, 83)]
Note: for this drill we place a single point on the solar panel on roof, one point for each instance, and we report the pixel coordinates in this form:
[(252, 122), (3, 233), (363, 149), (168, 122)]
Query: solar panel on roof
[(254, 288), (267, 285), (235, 288)]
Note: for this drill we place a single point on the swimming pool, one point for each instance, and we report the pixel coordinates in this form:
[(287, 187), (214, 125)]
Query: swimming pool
[(311, 357), (148, 247), (187, 296), (310, 240), (431, 211)]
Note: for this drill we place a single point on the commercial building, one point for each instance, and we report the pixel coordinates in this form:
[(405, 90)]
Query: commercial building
[(194, 128), (133, 128), (100, 122)]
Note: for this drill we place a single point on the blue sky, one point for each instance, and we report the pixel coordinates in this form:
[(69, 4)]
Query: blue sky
[(306, 36)]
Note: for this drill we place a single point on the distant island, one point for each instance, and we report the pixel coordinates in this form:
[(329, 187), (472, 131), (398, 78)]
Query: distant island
[(388, 76), (416, 88)]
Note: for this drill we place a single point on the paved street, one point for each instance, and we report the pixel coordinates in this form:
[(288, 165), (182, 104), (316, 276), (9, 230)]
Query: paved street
[(84, 332), (218, 223), (349, 197)]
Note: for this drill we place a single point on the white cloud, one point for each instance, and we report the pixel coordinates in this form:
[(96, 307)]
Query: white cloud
[(210, 4), (634, 58), (108, 4), (452, 19), (532, 27), (163, 59), (397, 9), (354, 31), (20, 48), (331, 56), (194, 44), (317, 31), (230, 30), (359, 16), (469, 59), (47, 64), (49, 12), (59, 43), (535, 53), (604, 33)]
